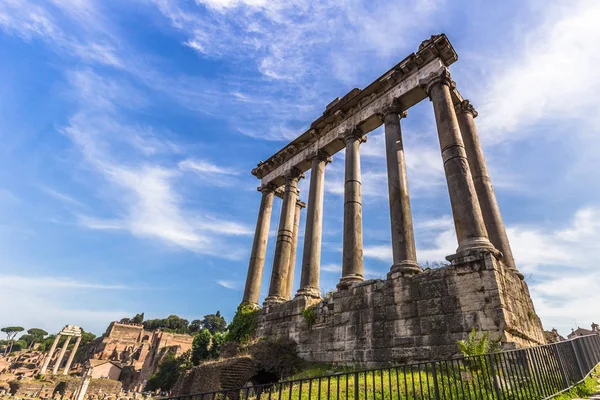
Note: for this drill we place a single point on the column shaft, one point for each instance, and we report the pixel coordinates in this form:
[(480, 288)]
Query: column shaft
[(259, 248), (61, 355), (352, 261), (468, 220), (403, 240), (483, 185), (283, 248), (49, 355), (311, 257), (292, 263), (72, 356)]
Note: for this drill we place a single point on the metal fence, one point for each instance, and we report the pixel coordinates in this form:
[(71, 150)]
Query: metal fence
[(533, 373)]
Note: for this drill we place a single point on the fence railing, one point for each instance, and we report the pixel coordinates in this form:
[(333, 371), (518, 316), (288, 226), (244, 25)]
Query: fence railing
[(533, 373)]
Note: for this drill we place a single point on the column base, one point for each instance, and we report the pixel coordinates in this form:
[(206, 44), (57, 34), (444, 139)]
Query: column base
[(404, 268), (473, 249), (249, 304), (476, 243), (349, 280), (273, 300), (309, 292)]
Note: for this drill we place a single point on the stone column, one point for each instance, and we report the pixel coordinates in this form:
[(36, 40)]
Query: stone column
[(259, 247), (404, 252), (49, 355), (468, 220), (292, 264), (483, 185), (352, 261), (61, 355), (72, 356), (283, 248), (311, 257)]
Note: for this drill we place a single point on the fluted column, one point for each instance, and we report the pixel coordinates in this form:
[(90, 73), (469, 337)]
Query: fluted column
[(468, 220), (292, 264), (311, 256), (72, 356), (404, 253), (283, 248), (492, 217), (61, 355), (49, 355), (259, 247), (352, 262)]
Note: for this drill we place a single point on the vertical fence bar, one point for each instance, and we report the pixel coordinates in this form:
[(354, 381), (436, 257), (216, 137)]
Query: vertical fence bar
[(355, 386), (561, 365), (494, 380), (578, 359), (436, 389)]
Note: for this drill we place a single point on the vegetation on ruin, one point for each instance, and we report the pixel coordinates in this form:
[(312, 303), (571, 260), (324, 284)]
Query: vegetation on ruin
[(175, 324), (310, 315), (243, 325), (169, 370), (200, 346), (478, 344)]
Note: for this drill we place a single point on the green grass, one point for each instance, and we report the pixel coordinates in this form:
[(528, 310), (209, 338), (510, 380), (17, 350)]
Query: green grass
[(585, 389)]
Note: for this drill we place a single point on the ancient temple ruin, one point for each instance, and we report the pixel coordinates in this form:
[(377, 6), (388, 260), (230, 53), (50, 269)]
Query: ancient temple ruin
[(413, 314), (69, 331)]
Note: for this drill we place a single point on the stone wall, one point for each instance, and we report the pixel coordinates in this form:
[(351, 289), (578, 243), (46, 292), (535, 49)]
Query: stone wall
[(232, 373), (410, 318)]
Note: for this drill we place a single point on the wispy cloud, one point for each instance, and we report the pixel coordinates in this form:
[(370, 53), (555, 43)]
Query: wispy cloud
[(203, 167), (46, 282), (228, 284), (62, 197)]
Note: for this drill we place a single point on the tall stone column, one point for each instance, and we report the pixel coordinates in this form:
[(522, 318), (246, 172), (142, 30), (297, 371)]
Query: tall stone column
[(61, 355), (352, 261), (404, 252), (468, 220), (292, 265), (49, 355), (283, 248), (72, 356), (483, 185), (259, 247), (311, 257)]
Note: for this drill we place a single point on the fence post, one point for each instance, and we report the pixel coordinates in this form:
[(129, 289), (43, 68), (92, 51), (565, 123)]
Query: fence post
[(577, 358), (494, 381), (535, 368), (562, 366), (435, 382), (356, 385)]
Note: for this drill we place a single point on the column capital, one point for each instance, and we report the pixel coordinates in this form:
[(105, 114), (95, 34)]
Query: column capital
[(321, 155), (464, 107), (300, 204), (394, 108), (443, 78), (354, 134), (269, 187), (294, 174)]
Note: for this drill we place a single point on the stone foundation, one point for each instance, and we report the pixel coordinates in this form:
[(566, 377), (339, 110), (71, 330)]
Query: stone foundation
[(410, 318)]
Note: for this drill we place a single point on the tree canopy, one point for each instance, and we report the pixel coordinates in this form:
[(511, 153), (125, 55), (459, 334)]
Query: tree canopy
[(214, 323), (11, 332)]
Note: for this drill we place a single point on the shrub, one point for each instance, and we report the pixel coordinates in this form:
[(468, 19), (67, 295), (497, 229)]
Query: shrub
[(310, 315), (243, 325)]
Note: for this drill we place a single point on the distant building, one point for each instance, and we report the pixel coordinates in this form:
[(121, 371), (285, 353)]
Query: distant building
[(105, 369), (584, 332)]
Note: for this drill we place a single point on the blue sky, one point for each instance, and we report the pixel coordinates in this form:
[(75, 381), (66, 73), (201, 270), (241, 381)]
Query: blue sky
[(128, 130)]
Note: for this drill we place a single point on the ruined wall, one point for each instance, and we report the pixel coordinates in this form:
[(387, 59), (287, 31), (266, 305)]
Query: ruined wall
[(231, 373), (410, 318)]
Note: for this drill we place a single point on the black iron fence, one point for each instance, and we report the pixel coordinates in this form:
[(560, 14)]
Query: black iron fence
[(533, 373)]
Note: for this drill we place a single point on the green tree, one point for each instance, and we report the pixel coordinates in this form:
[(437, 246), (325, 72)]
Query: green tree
[(138, 319), (19, 345), (217, 341), (200, 346), (35, 335), (195, 326), (11, 332), (168, 372), (172, 323), (214, 323)]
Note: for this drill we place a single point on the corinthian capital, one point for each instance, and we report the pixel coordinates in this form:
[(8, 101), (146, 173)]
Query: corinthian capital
[(354, 134), (394, 108), (294, 174), (464, 107), (443, 78), (322, 155)]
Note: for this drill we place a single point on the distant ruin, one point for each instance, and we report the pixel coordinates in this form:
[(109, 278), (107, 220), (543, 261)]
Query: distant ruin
[(413, 314)]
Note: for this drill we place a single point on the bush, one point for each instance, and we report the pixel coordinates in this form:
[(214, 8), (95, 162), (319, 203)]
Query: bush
[(243, 325), (278, 357), (200, 346)]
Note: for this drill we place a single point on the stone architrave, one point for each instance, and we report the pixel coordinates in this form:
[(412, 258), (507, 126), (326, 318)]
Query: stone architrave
[(468, 220), (72, 356), (292, 265), (283, 247), (61, 355), (311, 256), (259, 247), (492, 217), (49, 355), (404, 253), (352, 261)]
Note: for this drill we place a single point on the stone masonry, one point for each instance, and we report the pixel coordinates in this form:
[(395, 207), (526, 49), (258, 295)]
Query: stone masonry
[(413, 314)]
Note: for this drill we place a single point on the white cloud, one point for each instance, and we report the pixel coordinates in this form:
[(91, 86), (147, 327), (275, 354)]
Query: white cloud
[(337, 268), (62, 197), (205, 167), (228, 284), (552, 75), (44, 282)]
